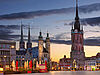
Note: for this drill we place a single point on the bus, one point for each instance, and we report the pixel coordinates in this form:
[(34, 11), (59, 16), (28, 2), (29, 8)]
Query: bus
[(42, 68)]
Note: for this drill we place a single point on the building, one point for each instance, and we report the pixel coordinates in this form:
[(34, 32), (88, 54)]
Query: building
[(98, 61), (90, 63), (77, 53), (35, 52), (20, 57), (47, 45), (39, 53), (54, 66), (65, 63), (7, 53), (43, 52)]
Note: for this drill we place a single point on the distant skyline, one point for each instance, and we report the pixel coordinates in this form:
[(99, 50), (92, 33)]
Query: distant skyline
[(51, 15)]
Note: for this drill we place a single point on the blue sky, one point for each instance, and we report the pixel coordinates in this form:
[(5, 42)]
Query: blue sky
[(52, 18)]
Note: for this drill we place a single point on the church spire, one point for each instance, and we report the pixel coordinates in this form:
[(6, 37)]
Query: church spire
[(21, 32), (77, 23), (29, 44), (22, 43), (47, 35), (77, 17), (40, 34), (29, 34)]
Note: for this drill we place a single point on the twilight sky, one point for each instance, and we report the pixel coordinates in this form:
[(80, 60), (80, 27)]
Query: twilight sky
[(56, 16)]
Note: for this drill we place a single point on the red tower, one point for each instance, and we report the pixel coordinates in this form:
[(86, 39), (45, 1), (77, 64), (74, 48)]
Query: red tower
[(77, 53)]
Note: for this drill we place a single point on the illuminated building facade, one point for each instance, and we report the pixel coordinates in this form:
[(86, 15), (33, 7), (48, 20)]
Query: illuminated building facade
[(43, 52), (77, 53), (65, 63), (90, 63), (98, 61), (47, 45), (7, 53), (39, 53)]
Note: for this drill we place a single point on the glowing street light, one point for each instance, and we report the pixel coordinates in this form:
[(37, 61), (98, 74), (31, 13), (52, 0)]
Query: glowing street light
[(12, 46), (5, 56)]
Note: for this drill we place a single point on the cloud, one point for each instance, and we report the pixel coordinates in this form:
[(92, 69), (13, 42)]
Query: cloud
[(95, 21), (7, 30), (92, 21), (87, 42), (62, 36), (33, 14), (14, 27)]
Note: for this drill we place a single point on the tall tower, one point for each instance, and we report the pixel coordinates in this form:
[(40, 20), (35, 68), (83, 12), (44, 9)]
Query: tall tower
[(47, 45), (22, 43), (40, 46), (77, 53), (29, 44)]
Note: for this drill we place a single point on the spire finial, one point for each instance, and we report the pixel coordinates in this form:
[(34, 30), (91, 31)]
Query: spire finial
[(77, 17)]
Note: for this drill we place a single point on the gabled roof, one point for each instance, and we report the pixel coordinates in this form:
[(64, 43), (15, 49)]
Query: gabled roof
[(98, 55)]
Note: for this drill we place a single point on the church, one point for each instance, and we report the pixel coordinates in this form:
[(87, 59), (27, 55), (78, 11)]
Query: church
[(40, 53)]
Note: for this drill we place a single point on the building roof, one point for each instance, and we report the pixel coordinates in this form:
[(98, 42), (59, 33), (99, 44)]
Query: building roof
[(98, 55), (90, 58), (20, 52)]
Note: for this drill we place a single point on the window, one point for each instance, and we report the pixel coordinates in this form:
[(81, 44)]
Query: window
[(0, 59), (8, 46), (0, 46), (3, 45)]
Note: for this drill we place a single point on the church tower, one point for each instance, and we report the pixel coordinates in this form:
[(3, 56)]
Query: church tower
[(22, 43), (47, 45), (40, 46), (77, 53), (29, 44)]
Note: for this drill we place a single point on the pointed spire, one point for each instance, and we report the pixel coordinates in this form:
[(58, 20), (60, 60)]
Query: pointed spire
[(47, 34), (77, 17), (21, 31), (72, 26), (77, 23), (40, 34), (29, 34), (29, 44), (22, 43)]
